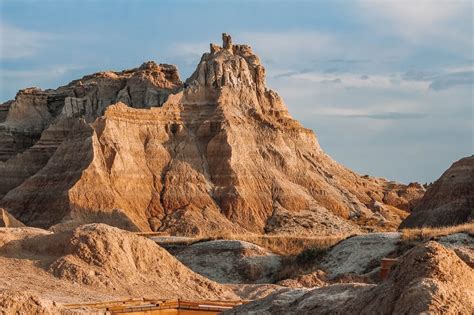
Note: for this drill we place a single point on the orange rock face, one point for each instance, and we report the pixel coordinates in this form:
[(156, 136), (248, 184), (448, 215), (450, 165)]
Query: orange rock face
[(222, 154)]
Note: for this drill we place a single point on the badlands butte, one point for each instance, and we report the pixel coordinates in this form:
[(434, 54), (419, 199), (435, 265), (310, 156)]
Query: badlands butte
[(141, 150), (90, 170)]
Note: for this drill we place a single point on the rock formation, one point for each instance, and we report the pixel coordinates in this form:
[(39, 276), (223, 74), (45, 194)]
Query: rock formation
[(40, 271), (449, 200), (429, 279), (7, 220), (130, 149), (230, 261)]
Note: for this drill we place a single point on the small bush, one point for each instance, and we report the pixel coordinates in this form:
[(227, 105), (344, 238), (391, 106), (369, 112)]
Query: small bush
[(310, 256)]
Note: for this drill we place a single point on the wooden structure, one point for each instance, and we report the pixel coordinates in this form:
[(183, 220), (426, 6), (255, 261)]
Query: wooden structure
[(154, 307), (385, 266)]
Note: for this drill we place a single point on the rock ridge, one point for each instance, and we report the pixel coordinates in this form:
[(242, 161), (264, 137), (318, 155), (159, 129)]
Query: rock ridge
[(221, 152)]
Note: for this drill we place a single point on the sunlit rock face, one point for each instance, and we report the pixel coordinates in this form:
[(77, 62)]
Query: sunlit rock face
[(140, 150)]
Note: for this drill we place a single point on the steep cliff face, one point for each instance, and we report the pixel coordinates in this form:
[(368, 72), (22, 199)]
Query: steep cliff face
[(449, 200), (223, 154), (37, 121)]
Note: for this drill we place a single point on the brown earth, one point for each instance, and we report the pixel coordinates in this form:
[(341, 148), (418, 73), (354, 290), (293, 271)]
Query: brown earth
[(93, 263), (223, 154), (310, 280), (448, 201), (429, 279)]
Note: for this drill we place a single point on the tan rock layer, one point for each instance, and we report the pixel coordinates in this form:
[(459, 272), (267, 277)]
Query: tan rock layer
[(223, 155)]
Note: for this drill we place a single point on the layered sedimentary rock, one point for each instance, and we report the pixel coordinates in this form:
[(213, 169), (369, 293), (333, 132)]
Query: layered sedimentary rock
[(223, 154), (49, 115), (23, 120), (449, 200)]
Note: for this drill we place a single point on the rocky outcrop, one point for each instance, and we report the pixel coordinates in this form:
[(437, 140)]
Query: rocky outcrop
[(449, 200), (23, 120), (230, 261), (360, 254), (429, 279), (223, 154), (7, 220)]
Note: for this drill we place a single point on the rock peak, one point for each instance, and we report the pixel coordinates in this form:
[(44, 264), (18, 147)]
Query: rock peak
[(234, 66), (226, 44), (226, 41)]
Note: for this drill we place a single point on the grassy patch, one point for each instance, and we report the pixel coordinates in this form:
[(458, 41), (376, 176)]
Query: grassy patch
[(426, 233), (283, 244)]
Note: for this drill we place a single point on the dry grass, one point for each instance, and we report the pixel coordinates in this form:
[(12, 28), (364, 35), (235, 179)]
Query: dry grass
[(280, 244), (425, 233), (284, 244)]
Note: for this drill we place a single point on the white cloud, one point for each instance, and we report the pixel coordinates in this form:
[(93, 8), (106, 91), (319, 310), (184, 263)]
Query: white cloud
[(48, 73), (19, 43), (293, 44), (354, 80), (416, 20)]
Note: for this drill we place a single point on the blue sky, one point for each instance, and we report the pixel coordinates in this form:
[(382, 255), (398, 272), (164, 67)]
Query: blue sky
[(387, 86)]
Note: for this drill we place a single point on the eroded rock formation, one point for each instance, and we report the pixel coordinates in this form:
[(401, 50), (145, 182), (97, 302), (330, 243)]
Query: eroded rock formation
[(449, 200), (223, 154), (429, 279)]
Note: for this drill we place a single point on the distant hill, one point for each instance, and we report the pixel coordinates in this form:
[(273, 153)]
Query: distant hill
[(449, 200)]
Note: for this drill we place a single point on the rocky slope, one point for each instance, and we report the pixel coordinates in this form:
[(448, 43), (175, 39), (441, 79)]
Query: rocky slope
[(93, 263), (222, 154), (429, 279), (230, 261), (449, 200)]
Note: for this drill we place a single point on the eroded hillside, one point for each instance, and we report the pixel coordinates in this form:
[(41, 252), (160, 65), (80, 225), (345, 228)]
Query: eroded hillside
[(140, 150)]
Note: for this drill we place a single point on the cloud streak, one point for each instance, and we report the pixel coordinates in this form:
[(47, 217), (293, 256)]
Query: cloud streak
[(386, 116), (452, 79), (16, 43), (418, 20)]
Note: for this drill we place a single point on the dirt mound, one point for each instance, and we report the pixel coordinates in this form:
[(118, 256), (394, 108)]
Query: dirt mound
[(310, 280), (231, 261), (462, 244), (103, 256), (8, 235), (428, 279), (95, 263), (14, 302)]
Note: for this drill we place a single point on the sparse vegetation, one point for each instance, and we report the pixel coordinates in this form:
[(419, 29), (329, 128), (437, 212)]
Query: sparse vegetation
[(426, 233), (309, 255), (301, 263), (279, 244), (284, 244)]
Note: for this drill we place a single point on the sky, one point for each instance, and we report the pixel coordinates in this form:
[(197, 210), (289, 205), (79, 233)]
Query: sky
[(387, 86)]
